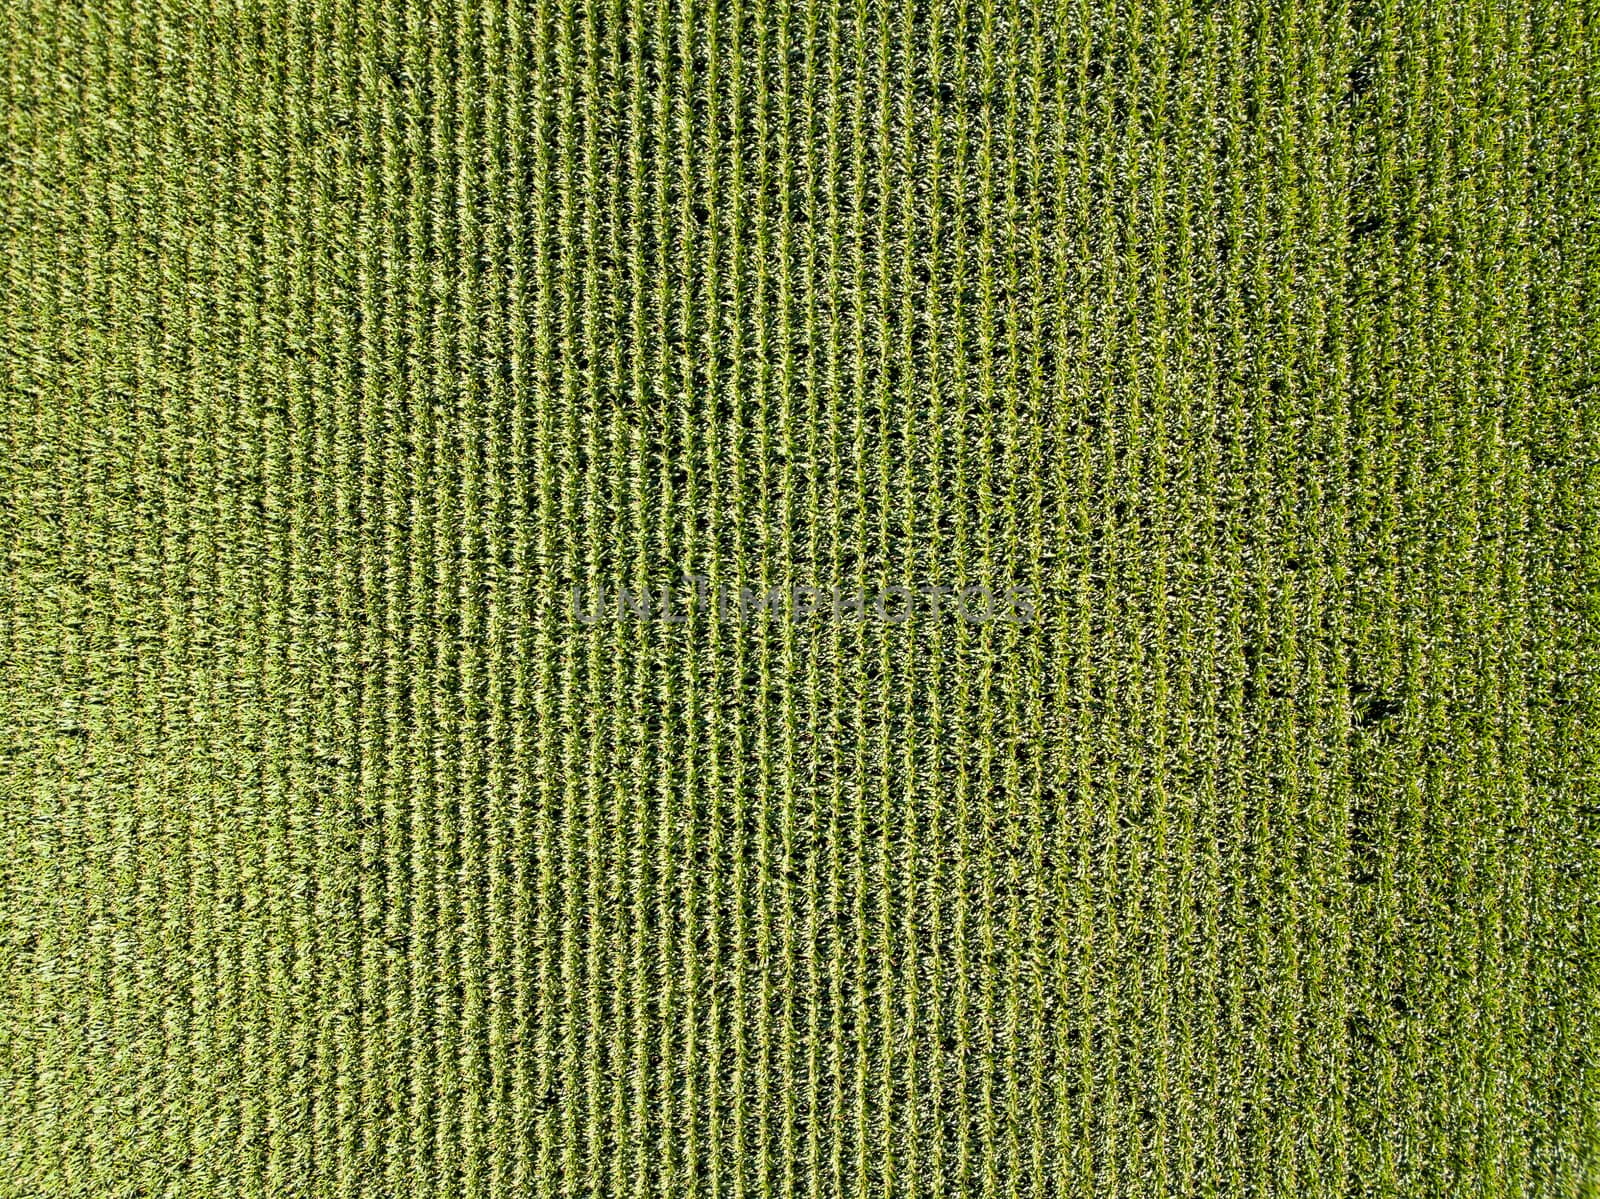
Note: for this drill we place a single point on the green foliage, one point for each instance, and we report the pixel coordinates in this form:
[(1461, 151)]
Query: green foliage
[(342, 339)]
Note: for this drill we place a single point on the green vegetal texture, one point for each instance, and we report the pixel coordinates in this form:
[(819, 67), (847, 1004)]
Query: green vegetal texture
[(341, 338)]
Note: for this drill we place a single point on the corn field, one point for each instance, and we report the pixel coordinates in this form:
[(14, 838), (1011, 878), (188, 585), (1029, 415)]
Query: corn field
[(799, 599)]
